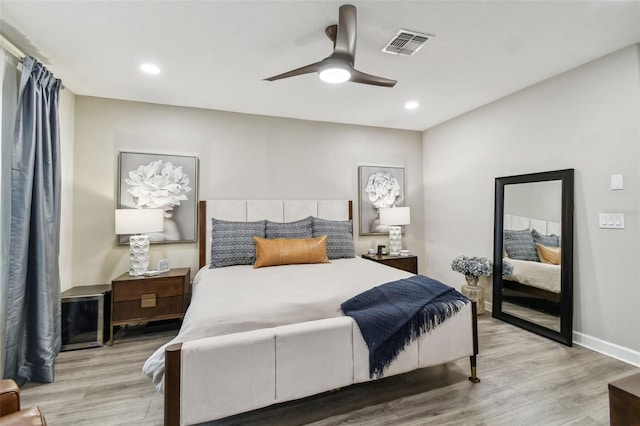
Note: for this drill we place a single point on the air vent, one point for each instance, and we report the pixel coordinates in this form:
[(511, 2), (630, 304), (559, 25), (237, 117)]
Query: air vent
[(406, 43)]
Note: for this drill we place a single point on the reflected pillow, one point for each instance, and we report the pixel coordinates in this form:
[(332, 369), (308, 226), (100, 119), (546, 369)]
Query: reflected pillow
[(549, 255), (232, 242), (519, 245), (546, 240), (283, 251)]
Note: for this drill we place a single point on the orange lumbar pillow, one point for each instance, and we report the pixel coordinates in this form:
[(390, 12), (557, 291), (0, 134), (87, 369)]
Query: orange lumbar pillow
[(289, 251), (548, 254)]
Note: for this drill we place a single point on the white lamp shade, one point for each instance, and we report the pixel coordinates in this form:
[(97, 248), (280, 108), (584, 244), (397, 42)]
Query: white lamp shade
[(395, 216), (139, 221)]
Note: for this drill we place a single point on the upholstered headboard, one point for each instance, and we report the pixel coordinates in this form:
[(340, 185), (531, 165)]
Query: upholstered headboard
[(542, 226), (273, 210)]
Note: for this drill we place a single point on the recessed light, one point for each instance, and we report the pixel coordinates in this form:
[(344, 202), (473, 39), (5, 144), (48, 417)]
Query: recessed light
[(411, 105), (150, 68)]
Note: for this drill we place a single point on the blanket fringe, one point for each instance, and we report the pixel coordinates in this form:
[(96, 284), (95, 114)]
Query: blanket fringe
[(426, 319)]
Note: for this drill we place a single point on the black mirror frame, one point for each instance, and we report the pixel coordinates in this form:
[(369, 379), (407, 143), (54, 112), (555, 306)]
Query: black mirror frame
[(565, 335)]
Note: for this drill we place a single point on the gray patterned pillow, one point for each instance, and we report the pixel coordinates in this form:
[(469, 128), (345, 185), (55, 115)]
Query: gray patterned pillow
[(339, 237), (232, 242), (298, 229), (520, 245), (546, 240)]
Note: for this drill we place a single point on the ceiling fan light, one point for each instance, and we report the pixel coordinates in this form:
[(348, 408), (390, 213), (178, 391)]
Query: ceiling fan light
[(334, 74)]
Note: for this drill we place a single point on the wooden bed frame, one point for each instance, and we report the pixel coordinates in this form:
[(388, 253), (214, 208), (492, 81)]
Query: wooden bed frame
[(173, 353), (532, 291)]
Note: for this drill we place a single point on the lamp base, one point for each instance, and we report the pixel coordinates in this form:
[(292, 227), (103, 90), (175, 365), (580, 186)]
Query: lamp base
[(138, 255), (395, 240)]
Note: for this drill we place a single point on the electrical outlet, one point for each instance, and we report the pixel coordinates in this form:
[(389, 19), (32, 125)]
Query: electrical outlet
[(163, 265)]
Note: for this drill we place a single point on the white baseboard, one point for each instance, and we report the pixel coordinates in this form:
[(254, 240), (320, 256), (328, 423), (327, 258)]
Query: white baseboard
[(606, 348), (610, 349)]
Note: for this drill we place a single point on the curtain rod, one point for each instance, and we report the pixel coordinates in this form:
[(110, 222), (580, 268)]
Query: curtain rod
[(11, 48)]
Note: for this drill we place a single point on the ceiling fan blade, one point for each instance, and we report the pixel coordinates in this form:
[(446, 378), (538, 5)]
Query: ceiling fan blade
[(360, 77), (308, 69), (345, 44)]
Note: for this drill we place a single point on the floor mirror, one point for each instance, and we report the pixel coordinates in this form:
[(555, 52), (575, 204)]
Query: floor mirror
[(533, 253)]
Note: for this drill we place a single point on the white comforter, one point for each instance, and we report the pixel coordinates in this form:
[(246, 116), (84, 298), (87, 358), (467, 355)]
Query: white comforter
[(536, 274), (240, 298)]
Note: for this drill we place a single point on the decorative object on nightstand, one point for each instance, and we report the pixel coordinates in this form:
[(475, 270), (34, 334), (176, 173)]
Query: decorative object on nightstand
[(395, 217), (137, 222), (164, 265), (407, 263), (144, 299), (473, 268)]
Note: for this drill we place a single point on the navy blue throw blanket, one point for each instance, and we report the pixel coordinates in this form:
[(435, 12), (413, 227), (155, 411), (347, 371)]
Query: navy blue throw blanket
[(391, 315)]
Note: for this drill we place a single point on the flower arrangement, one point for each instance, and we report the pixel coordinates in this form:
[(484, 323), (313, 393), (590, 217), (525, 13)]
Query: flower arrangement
[(158, 184), (507, 268), (472, 267)]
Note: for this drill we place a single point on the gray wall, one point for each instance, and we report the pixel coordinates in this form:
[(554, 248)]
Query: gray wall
[(586, 119), (67, 130), (241, 157), (537, 200)]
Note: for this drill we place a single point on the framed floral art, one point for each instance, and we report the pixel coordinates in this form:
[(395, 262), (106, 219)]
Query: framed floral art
[(378, 187), (156, 181)]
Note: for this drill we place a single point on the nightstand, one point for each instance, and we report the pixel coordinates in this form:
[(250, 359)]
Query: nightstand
[(406, 263), (144, 299)]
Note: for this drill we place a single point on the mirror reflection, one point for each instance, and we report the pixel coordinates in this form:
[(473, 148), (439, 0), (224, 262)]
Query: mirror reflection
[(531, 241), (533, 234)]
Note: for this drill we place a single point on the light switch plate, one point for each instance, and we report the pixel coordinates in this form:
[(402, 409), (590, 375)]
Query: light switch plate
[(164, 265), (611, 220), (617, 182)]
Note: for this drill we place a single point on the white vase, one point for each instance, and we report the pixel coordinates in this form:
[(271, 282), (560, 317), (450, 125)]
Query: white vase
[(471, 280)]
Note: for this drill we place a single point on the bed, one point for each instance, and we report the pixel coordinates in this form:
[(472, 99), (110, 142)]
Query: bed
[(256, 337), (531, 275)]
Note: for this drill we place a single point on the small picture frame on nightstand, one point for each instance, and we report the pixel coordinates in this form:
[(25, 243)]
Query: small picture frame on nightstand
[(164, 265)]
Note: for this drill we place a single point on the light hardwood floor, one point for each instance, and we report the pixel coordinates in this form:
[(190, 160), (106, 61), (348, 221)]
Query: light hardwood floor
[(526, 380), (532, 315)]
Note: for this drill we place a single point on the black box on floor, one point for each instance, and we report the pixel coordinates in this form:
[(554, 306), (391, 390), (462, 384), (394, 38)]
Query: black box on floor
[(85, 316)]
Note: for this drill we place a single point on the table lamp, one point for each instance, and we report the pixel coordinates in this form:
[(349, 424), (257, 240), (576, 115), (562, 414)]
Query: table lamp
[(137, 222), (395, 217)]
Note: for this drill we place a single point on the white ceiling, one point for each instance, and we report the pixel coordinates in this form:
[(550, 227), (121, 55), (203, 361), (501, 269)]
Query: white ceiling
[(214, 54)]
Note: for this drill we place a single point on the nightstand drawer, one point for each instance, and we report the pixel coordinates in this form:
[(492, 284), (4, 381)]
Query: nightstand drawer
[(134, 290), (146, 299), (145, 308)]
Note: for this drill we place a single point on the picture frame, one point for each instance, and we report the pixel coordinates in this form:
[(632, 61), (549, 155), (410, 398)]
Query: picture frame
[(162, 181), (378, 186)]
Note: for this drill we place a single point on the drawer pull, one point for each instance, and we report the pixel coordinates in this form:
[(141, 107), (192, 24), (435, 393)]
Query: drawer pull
[(148, 301)]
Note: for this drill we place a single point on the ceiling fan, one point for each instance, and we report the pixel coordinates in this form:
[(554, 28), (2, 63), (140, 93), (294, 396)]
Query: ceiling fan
[(338, 67)]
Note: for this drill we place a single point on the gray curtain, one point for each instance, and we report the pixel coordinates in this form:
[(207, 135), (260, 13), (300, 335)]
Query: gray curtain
[(33, 296), (9, 76)]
